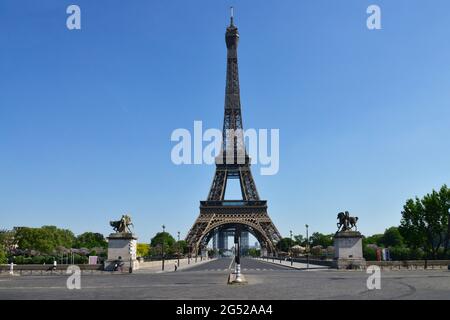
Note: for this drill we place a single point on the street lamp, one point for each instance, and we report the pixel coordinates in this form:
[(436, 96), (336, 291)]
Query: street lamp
[(189, 255), (290, 247), (307, 247), (448, 229), (237, 257), (178, 248), (130, 251), (162, 247)]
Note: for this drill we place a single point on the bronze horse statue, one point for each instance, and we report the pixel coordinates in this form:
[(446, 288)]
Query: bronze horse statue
[(122, 225), (346, 223)]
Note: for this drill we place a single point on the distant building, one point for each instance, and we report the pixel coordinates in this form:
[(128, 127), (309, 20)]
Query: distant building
[(244, 241)]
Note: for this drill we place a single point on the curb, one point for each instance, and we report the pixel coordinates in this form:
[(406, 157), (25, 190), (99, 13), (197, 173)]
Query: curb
[(293, 267)]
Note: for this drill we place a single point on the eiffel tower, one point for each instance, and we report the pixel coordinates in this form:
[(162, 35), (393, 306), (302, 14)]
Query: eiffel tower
[(246, 214)]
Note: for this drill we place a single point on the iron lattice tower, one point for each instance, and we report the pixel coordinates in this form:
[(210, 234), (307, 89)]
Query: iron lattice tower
[(248, 213)]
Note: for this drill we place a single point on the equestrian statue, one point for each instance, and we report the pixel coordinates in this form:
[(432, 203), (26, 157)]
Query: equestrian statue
[(346, 223), (122, 225)]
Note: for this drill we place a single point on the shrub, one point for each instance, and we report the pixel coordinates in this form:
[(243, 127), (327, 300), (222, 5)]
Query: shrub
[(441, 254), (399, 253), (79, 259), (391, 238), (38, 260), (370, 253), (23, 260), (416, 254)]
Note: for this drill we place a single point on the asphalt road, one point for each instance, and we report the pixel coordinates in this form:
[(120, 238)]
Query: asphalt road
[(209, 281), (227, 264)]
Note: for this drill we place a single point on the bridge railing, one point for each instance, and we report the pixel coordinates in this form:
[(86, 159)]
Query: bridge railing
[(311, 260)]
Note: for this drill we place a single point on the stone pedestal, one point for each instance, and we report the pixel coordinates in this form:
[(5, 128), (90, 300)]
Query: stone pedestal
[(348, 252), (122, 250)]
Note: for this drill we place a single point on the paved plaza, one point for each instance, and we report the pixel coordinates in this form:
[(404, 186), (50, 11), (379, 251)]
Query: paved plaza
[(208, 280)]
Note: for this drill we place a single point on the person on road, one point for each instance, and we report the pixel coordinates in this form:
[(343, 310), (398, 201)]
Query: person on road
[(175, 266)]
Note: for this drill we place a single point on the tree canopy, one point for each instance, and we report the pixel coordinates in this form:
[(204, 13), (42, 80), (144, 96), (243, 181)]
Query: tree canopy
[(373, 239), (285, 244), (160, 238), (8, 240), (424, 221), (143, 249), (300, 240), (392, 238), (181, 246), (44, 240), (3, 258), (91, 240), (320, 239)]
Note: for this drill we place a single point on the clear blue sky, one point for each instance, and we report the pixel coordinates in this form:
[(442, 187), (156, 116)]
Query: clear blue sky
[(86, 116)]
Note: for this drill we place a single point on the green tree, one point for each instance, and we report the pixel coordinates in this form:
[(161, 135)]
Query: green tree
[(392, 238), (8, 240), (61, 237), (400, 253), (45, 240), (180, 246), (35, 239), (253, 252), (3, 258), (91, 240), (319, 239), (143, 250), (285, 244), (300, 240), (373, 239), (369, 253), (211, 253), (162, 237), (424, 222)]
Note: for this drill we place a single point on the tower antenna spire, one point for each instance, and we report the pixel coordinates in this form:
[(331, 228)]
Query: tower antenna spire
[(231, 16)]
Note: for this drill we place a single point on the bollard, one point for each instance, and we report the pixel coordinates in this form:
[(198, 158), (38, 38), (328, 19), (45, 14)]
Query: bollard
[(238, 273)]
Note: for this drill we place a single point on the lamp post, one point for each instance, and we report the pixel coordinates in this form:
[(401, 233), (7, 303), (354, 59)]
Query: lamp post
[(162, 246), (189, 255), (290, 247), (448, 221), (448, 230), (130, 251), (237, 240), (178, 248), (307, 247)]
